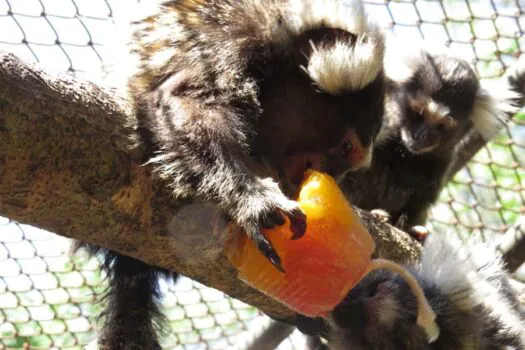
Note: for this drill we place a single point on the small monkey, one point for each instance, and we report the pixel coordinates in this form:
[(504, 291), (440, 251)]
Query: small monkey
[(465, 284), (432, 101), (234, 100)]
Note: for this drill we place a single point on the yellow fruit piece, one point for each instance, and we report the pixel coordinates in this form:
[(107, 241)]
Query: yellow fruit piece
[(323, 265)]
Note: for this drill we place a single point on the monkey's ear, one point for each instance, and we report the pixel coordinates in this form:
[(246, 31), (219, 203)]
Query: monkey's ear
[(492, 107), (462, 270), (343, 62), (347, 65)]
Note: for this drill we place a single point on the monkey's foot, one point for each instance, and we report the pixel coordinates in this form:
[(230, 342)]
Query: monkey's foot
[(381, 215)]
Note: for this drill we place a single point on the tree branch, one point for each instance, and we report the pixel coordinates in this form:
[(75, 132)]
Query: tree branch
[(65, 166)]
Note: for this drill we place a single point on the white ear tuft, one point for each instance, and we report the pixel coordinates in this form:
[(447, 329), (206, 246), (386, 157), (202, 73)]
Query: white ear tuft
[(492, 107), (343, 67), (463, 271)]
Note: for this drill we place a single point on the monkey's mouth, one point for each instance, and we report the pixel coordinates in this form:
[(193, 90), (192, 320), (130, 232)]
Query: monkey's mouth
[(297, 164)]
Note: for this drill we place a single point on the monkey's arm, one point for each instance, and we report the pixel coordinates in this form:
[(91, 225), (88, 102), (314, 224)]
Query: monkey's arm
[(203, 153)]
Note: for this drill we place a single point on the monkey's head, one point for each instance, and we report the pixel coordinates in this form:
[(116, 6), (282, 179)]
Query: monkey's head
[(433, 100), (381, 311), (464, 283), (322, 93)]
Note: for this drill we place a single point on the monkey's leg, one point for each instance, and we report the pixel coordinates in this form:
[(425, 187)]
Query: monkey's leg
[(132, 315)]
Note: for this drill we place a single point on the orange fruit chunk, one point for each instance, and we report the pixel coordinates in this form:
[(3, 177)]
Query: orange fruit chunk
[(322, 266)]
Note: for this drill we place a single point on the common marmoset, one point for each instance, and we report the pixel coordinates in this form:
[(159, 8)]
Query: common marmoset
[(432, 101), (467, 287), (234, 100)]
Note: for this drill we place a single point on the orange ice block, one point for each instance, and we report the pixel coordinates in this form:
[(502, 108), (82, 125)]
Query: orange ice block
[(323, 265)]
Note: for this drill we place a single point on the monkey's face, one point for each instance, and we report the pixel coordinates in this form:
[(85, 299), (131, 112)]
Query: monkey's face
[(322, 106), (433, 107), (428, 124), (304, 127), (379, 313)]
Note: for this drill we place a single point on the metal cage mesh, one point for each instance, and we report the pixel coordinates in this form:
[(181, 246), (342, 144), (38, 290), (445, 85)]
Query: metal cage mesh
[(47, 300)]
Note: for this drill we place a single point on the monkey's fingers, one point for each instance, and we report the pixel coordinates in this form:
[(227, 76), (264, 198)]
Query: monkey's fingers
[(297, 223), (273, 219), (265, 247)]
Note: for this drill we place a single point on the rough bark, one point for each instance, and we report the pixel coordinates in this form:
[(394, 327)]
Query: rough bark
[(65, 166)]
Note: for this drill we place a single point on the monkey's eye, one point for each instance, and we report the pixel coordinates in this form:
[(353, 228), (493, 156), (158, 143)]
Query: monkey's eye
[(346, 148)]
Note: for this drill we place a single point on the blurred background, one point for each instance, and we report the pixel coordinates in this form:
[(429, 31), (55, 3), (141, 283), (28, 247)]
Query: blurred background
[(47, 299)]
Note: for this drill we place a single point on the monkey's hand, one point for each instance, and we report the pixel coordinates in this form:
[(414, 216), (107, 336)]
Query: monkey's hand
[(266, 207), (203, 153)]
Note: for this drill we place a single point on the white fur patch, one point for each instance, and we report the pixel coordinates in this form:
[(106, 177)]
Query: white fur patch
[(468, 274), (402, 58), (492, 107), (342, 67), (387, 314), (367, 161), (447, 261)]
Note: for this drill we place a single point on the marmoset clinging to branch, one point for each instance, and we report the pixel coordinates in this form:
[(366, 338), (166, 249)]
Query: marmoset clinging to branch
[(234, 100)]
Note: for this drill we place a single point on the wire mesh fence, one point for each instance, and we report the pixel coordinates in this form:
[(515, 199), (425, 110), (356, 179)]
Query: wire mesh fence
[(47, 300)]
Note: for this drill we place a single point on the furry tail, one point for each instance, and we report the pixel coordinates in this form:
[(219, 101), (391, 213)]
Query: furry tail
[(132, 317)]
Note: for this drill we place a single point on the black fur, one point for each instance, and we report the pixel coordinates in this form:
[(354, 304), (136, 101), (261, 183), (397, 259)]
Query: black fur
[(234, 99), (211, 95), (132, 317), (478, 311), (418, 144)]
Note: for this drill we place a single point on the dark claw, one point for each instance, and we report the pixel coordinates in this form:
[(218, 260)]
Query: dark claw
[(266, 248), (272, 219), (297, 223)]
